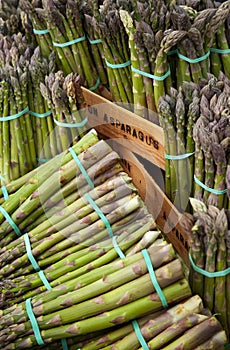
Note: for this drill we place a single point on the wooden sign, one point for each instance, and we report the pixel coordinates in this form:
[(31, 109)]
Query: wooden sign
[(115, 122)]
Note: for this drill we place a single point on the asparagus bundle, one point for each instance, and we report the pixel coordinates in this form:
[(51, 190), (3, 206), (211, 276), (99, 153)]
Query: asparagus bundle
[(209, 251), (91, 16), (211, 135), (30, 134), (43, 123), (36, 14), (17, 145), (68, 38), (109, 28), (145, 27), (178, 113), (196, 129), (164, 326), (64, 97)]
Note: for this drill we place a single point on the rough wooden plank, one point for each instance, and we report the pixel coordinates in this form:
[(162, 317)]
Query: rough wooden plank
[(114, 122), (173, 224)]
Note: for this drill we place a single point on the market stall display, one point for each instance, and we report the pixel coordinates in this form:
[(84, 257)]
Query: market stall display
[(93, 253)]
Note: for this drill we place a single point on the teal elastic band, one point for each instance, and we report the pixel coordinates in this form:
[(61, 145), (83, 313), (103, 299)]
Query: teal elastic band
[(34, 322), (29, 253), (94, 41), (172, 52), (43, 160), (227, 346), (5, 193), (14, 116), (28, 301), (154, 77), (118, 65), (10, 221), (64, 344), (96, 85), (40, 115), (139, 335), (193, 60), (99, 212), (40, 32), (179, 156), (82, 169), (223, 52), (153, 277), (69, 125), (34, 262), (209, 274), (68, 43), (117, 248), (44, 280), (211, 190), (4, 190), (107, 225)]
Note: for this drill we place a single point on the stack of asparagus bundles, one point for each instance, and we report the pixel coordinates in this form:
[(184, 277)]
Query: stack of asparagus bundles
[(210, 265), (67, 217)]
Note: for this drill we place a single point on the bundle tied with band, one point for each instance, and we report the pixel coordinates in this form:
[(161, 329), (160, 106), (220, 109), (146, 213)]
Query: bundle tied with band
[(209, 259)]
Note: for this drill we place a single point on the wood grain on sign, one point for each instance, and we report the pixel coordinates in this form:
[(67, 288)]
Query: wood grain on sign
[(172, 223), (115, 122)]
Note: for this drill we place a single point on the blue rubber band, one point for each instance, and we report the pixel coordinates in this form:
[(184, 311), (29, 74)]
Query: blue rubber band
[(207, 273), (40, 115), (29, 253), (117, 248), (28, 301), (179, 156), (227, 346), (139, 335), (172, 52), (155, 77), (64, 344), (96, 85), (44, 280), (14, 116), (43, 160), (82, 169), (34, 322), (5, 193), (153, 277), (94, 41), (118, 65), (193, 60), (221, 51), (10, 221), (211, 190), (40, 32), (69, 125), (68, 43), (4, 190), (99, 212)]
